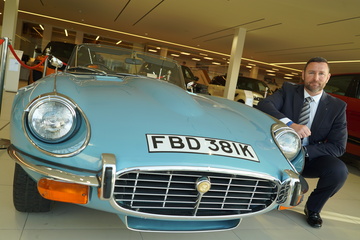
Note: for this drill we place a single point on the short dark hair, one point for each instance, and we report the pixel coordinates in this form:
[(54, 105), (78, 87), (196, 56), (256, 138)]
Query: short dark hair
[(318, 60)]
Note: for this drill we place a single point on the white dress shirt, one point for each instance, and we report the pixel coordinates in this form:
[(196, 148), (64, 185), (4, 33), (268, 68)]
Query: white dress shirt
[(313, 107)]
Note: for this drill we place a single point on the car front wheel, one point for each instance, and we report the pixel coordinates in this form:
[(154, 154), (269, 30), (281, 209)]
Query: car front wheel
[(26, 197)]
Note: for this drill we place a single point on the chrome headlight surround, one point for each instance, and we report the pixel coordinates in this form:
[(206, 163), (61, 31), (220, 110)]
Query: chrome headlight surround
[(55, 125), (287, 140)]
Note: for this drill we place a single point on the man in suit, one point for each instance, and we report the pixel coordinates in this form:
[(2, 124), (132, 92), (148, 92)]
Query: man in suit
[(324, 136)]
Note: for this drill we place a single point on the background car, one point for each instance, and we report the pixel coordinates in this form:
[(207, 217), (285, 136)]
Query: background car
[(259, 89), (347, 88), (191, 81), (118, 132)]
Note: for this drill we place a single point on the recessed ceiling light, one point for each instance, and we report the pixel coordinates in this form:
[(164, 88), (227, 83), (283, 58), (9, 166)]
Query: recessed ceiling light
[(119, 42), (196, 59), (208, 58)]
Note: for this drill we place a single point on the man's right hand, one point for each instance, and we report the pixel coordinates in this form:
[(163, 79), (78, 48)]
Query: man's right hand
[(302, 130)]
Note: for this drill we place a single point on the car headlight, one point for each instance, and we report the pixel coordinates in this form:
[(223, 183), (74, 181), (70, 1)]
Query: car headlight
[(52, 119), (287, 140)]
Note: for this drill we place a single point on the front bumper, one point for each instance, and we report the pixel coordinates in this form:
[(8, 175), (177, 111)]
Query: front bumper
[(88, 179), (168, 193)]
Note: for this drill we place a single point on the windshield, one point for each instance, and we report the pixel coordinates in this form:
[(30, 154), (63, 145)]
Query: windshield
[(263, 87), (109, 60)]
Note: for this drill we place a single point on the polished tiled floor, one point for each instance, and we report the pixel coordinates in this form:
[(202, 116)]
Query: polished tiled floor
[(341, 215)]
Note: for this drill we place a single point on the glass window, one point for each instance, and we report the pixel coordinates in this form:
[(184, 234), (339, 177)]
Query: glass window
[(63, 35), (338, 84), (262, 87), (31, 39), (88, 38)]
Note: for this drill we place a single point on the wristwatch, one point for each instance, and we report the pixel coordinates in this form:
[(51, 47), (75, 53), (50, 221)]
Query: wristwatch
[(289, 123)]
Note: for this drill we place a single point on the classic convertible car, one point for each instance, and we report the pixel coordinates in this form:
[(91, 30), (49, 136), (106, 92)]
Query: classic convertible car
[(118, 132)]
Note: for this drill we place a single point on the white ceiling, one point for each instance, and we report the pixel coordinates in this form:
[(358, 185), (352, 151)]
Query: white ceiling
[(278, 31)]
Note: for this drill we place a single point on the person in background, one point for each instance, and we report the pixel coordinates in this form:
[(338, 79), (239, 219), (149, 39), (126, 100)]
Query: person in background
[(322, 128)]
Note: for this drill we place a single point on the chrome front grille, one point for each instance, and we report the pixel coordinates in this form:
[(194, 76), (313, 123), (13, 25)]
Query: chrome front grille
[(174, 193)]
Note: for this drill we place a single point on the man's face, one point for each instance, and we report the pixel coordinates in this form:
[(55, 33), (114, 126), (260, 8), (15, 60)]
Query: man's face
[(315, 76)]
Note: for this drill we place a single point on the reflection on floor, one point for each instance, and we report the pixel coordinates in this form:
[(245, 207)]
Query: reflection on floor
[(341, 215)]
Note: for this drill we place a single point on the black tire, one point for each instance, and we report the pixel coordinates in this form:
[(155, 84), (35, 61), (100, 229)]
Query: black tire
[(26, 197)]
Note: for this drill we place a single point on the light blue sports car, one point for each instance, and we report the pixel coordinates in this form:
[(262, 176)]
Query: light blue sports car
[(118, 131)]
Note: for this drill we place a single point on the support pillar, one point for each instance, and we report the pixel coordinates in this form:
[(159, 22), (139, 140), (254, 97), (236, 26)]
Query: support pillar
[(79, 38), (4, 143), (235, 61), (8, 32), (138, 47), (254, 72), (10, 19), (163, 52)]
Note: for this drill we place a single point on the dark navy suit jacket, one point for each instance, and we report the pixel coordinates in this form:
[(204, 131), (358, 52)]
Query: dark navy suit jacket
[(328, 130)]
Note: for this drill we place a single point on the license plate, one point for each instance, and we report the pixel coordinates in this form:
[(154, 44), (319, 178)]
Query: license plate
[(200, 145)]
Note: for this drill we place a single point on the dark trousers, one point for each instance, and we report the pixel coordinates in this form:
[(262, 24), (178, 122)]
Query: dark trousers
[(332, 173)]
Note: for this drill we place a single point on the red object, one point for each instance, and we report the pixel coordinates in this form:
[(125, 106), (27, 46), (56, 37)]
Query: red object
[(347, 88), (21, 62)]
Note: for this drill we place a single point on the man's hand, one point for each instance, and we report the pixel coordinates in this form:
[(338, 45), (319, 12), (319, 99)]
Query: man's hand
[(302, 130)]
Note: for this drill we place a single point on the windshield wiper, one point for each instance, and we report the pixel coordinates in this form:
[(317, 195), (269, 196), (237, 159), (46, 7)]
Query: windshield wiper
[(86, 70)]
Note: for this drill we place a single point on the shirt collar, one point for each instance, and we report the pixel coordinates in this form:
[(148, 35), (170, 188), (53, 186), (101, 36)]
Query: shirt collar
[(316, 98)]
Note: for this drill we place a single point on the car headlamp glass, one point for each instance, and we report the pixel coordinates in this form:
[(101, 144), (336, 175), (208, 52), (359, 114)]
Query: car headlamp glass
[(52, 119), (287, 140)]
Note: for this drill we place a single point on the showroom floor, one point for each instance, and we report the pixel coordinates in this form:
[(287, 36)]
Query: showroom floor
[(341, 215)]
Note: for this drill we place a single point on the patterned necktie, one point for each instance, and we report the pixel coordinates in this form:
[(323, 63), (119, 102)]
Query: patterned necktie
[(305, 111)]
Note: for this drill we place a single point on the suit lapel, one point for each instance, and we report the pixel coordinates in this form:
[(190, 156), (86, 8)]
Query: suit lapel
[(298, 102)]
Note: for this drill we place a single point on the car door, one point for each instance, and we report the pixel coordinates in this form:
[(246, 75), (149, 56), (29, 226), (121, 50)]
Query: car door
[(347, 88)]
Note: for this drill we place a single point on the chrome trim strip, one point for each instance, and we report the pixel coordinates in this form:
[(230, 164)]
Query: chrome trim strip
[(195, 231), (108, 161), (55, 173), (281, 127), (294, 192)]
